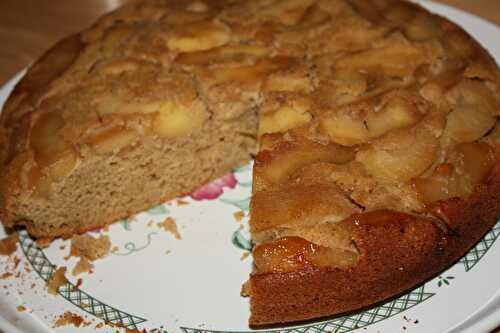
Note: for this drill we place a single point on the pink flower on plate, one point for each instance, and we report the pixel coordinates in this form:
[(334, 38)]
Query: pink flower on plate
[(214, 189)]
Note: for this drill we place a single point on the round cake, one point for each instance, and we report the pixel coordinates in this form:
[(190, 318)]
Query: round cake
[(373, 124)]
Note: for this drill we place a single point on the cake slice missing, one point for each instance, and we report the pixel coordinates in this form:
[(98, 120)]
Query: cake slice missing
[(377, 164)]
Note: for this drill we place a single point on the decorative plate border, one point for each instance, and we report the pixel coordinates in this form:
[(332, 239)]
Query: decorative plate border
[(42, 265)]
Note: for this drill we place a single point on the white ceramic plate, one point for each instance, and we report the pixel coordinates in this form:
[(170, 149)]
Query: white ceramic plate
[(155, 282)]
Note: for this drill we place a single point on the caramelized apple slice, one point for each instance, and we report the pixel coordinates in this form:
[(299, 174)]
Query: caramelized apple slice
[(283, 119), (221, 54), (437, 187), (115, 105), (300, 206), (396, 59), (294, 253), (45, 139), (458, 43), (468, 122), (175, 120), (423, 27), (63, 166), (473, 162), (54, 156), (400, 156), (468, 165), (118, 66), (287, 12), (345, 128), (199, 36), (252, 73), (474, 92), (114, 37), (275, 166), (112, 139), (348, 127), (295, 77), (474, 110)]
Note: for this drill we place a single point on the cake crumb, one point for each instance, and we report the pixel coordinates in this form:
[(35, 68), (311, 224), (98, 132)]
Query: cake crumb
[(245, 289), (21, 308), (89, 247), (79, 283), (181, 202), (244, 256), (16, 262), (170, 226), (68, 318), (8, 245), (5, 276), (238, 216), (82, 266), (57, 280), (43, 242)]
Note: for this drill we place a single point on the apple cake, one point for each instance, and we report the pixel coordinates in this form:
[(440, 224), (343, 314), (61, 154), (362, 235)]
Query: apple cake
[(374, 122)]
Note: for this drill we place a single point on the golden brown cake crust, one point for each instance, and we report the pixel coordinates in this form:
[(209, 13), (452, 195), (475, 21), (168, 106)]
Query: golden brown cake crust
[(394, 257)]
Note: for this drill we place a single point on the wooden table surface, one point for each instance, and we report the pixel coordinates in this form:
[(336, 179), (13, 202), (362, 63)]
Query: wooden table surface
[(29, 27)]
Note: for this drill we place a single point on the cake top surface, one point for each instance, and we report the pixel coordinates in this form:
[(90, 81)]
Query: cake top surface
[(368, 104)]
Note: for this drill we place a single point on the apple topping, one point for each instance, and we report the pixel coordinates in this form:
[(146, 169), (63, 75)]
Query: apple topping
[(301, 206), (474, 110), (422, 27), (467, 166), (395, 59), (353, 125), (118, 66), (289, 254), (199, 36), (294, 77), (287, 12), (283, 119), (400, 156), (112, 104), (197, 7), (175, 120), (114, 36), (54, 156), (468, 122), (252, 73), (459, 44), (170, 118), (221, 54), (112, 139), (277, 165)]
